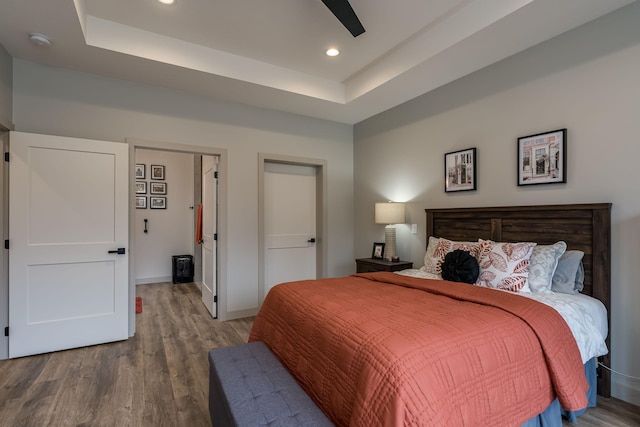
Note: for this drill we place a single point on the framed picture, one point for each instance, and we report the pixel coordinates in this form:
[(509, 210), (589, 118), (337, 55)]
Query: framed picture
[(460, 170), (158, 202), (141, 187), (141, 202), (542, 158), (140, 169), (378, 250), (158, 187), (157, 172)]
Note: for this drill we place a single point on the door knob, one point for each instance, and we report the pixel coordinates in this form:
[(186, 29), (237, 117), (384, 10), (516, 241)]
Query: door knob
[(119, 251), (311, 240)]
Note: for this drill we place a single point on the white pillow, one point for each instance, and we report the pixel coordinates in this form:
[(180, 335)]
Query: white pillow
[(504, 265), (438, 248), (542, 265)]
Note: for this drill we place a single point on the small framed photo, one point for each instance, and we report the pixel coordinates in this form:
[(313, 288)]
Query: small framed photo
[(140, 171), (158, 187), (542, 158), (158, 202), (378, 250), (157, 172), (141, 187), (141, 202), (460, 170)]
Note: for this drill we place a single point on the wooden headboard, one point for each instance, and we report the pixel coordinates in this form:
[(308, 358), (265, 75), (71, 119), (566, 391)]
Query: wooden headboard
[(584, 227)]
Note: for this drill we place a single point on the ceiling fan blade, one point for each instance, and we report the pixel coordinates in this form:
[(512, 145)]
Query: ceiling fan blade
[(345, 14)]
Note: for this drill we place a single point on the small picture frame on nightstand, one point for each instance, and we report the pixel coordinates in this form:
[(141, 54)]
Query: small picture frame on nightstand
[(378, 250)]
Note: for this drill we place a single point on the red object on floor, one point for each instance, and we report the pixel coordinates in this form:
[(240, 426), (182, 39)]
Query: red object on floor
[(138, 305)]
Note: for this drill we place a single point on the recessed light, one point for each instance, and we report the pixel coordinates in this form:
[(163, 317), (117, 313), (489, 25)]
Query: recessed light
[(333, 52), (167, 1), (39, 39)]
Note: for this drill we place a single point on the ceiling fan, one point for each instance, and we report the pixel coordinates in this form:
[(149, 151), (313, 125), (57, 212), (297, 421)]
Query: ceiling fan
[(345, 14)]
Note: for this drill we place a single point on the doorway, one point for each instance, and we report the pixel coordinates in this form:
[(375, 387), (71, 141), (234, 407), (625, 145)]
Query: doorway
[(277, 251), (186, 191), (221, 242)]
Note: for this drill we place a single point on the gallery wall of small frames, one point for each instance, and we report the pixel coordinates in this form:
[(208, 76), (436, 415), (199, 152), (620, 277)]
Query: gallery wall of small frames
[(155, 187)]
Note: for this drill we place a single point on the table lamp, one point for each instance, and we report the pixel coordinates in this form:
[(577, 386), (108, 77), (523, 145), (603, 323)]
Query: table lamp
[(390, 214)]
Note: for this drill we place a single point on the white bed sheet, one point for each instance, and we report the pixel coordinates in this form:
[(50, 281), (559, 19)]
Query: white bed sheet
[(586, 316)]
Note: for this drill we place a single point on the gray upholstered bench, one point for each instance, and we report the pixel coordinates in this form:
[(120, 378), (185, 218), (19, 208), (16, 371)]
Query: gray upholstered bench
[(249, 387)]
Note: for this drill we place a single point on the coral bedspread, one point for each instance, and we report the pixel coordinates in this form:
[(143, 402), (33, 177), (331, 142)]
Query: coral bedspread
[(389, 350)]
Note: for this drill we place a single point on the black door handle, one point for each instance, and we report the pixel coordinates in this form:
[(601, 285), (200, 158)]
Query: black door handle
[(311, 240), (119, 251)]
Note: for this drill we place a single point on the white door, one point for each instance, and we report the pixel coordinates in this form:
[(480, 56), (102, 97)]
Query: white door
[(68, 215), (209, 203), (290, 223)]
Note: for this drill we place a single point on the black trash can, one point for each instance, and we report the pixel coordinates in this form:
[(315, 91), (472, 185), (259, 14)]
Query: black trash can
[(182, 268)]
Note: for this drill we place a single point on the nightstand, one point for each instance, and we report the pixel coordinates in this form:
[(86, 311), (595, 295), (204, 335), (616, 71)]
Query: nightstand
[(369, 265)]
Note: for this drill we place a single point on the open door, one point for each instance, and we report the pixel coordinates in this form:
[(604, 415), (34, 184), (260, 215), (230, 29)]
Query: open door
[(68, 232), (209, 214)]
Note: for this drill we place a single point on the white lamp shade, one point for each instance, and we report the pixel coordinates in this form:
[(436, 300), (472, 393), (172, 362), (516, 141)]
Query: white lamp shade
[(390, 213)]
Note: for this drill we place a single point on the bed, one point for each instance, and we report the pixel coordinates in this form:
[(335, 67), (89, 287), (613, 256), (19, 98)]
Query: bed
[(391, 349)]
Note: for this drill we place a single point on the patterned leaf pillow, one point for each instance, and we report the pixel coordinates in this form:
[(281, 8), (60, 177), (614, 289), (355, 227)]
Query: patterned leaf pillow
[(504, 265), (438, 248)]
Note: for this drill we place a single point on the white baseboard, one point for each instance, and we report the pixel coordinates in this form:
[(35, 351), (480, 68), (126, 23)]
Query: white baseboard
[(147, 280), (627, 390), (241, 314)]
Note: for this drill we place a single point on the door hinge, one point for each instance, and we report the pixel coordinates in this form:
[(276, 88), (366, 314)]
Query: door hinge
[(215, 174), (6, 156), (6, 331), (6, 244), (215, 236), (215, 298)]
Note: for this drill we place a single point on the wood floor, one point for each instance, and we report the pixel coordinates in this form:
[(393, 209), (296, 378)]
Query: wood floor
[(157, 378)]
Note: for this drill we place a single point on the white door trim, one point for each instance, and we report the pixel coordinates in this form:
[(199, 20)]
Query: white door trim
[(321, 213), (4, 259), (135, 143)]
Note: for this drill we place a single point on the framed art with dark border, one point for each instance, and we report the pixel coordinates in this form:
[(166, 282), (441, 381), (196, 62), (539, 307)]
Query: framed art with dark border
[(378, 250), (158, 188), (158, 202), (141, 202), (140, 169), (141, 187), (542, 158), (157, 172), (460, 170)]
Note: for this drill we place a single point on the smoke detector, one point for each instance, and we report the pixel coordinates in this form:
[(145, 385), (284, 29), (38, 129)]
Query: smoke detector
[(39, 39)]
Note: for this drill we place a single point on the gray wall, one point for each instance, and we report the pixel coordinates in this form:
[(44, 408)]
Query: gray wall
[(170, 231), (587, 81), (62, 102), (6, 89)]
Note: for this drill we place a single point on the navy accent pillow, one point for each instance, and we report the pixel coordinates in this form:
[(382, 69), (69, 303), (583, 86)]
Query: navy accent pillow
[(460, 266)]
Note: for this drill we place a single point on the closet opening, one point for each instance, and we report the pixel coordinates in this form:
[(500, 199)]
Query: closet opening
[(177, 217)]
